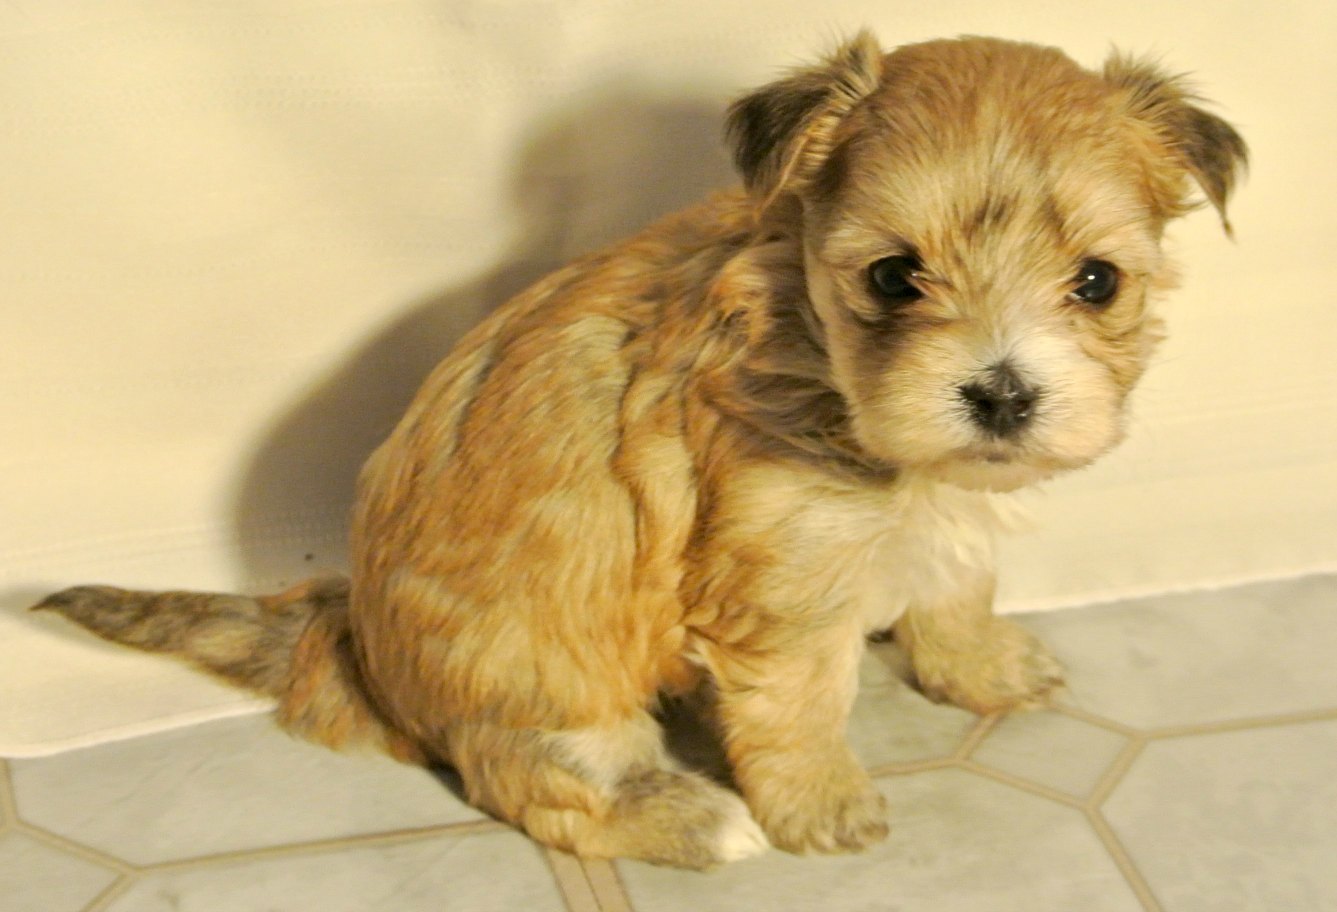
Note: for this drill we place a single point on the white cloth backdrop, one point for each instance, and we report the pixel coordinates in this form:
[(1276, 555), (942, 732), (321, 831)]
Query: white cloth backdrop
[(234, 236)]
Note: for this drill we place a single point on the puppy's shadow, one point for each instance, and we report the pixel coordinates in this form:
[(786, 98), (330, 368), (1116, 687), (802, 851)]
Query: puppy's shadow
[(589, 175)]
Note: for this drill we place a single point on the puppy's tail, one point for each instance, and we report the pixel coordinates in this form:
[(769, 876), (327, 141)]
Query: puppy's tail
[(295, 646)]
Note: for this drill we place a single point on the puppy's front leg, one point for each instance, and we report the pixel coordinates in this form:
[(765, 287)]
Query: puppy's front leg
[(962, 653), (785, 693)]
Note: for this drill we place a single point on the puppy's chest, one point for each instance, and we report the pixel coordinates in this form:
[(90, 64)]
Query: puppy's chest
[(918, 546)]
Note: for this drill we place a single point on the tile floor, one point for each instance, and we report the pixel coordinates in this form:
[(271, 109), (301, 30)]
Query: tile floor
[(1192, 767)]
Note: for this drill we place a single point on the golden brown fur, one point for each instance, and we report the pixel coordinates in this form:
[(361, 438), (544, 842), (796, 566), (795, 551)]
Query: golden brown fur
[(720, 451)]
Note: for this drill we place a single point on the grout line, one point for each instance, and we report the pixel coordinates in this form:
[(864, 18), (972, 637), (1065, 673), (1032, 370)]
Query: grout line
[(1118, 768), (9, 811), (917, 766), (607, 886), (78, 849), (1025, 785), (1216, 728), (572, 881), (975, 736), (118, 887), (319, 846), (1123, 861), (1089, 718)]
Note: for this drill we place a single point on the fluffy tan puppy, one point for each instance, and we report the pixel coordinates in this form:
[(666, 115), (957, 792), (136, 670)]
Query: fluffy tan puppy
[(728, 449)]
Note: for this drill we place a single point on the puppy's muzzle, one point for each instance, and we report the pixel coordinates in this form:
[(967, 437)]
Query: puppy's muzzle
[(1001, 403)]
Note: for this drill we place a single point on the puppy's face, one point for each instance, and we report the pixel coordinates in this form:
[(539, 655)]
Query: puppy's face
[(981, 233)]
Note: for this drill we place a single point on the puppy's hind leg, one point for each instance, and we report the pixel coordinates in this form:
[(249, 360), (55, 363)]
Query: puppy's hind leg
[(604, 792)]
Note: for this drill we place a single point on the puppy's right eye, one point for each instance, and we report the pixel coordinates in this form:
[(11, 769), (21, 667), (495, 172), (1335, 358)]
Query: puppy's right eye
[(892, 278), (1097, 284)]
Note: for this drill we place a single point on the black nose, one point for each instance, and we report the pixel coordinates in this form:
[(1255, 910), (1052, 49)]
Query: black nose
[(1000, 403)]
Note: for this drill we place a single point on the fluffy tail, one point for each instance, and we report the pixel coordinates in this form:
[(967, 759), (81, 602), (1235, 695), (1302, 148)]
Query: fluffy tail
[(295, 646)]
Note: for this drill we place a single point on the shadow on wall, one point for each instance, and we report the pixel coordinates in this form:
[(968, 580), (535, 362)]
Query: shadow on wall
[(589, 176)]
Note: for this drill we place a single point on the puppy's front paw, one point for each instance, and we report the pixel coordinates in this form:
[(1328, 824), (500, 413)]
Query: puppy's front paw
[(1004, 668), (827, 811)]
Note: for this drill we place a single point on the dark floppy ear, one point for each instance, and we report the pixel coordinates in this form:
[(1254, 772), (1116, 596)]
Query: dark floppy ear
[(1200, 144), (782, 132)]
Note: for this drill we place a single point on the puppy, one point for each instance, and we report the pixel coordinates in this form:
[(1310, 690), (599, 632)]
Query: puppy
[(731, 447)]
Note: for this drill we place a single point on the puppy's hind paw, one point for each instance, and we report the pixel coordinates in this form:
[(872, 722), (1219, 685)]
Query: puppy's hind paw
[(675, 818), (739, 836)]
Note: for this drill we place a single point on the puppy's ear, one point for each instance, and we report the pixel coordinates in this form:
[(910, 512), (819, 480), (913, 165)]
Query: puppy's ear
[(1184, 138), (782, 132)]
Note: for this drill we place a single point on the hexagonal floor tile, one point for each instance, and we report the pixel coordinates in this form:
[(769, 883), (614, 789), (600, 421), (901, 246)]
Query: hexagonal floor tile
[(1199, 657), (481, 872), (34, 877), (1235, 820), (959, 843), (225, 786), (894, 723), (1051, 749)]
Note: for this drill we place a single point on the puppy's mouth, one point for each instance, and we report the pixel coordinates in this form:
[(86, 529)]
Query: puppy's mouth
[(997, 452), (999, 466), (991, 472)]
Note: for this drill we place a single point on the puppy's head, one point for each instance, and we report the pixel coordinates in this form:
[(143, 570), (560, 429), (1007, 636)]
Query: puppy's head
[(981, 223)]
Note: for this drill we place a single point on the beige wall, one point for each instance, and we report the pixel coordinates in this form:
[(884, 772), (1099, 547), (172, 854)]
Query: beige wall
[(234, 237)]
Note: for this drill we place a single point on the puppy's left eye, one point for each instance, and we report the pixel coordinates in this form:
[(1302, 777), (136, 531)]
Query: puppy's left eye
[(1097, 283), (891, 277)]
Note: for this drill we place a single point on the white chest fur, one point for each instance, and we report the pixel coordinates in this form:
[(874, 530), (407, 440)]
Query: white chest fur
[(916, 544)]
